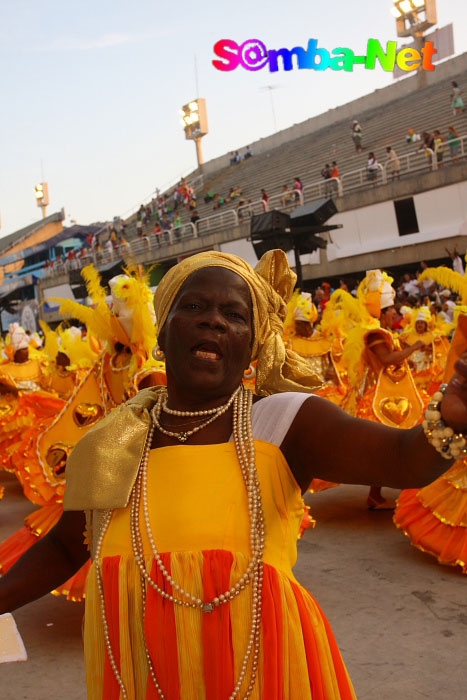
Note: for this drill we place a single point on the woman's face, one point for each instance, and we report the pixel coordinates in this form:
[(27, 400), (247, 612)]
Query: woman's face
[(421, 327), (208, 335)]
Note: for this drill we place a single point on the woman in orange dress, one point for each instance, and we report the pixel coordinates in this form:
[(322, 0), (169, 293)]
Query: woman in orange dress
[(193, 501)]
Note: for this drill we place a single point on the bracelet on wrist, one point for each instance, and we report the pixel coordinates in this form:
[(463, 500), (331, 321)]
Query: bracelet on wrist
[(445, 440)]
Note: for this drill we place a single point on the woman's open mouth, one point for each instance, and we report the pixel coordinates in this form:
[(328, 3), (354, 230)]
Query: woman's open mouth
[(207, 351)]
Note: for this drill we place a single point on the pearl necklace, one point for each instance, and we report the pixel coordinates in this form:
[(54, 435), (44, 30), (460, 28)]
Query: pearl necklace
[(244, 444), (161, 405)]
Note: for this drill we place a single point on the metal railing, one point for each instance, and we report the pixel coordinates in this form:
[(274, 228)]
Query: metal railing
[(414, 161)]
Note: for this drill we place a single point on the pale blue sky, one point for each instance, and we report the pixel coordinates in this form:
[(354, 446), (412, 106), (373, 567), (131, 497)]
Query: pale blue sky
[(92, 88)]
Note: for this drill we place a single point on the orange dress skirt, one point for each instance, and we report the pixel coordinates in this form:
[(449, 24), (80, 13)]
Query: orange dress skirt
[(199, 517)]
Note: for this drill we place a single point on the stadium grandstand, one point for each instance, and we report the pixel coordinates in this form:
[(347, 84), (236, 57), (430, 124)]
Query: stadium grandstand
[(386, 222)]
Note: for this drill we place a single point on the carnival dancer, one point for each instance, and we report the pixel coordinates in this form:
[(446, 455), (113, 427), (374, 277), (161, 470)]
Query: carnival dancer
[(23, 402), (21, 371), (317, 348), (70, 356), (382, 388), (124, 323), (435, 517), (126, 331), (193, 534), (429, 362)]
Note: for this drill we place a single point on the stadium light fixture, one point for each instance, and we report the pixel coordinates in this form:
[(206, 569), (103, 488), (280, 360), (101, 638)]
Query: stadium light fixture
[(414, 17), (195, 123), (41, 193)]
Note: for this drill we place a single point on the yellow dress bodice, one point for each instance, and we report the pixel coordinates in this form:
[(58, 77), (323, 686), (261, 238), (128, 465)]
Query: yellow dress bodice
[(199, 503)]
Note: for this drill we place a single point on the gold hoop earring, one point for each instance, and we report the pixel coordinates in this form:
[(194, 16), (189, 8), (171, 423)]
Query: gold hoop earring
[(158, 354), (249, 373)]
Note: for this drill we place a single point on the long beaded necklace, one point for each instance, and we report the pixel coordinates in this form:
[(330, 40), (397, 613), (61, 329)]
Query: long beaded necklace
[(244, 445)]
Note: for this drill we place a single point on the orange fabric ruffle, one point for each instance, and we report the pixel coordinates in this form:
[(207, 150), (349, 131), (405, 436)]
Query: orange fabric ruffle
[(435, 517)]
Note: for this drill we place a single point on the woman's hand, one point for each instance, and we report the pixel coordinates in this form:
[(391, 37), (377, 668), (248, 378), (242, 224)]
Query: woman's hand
[(454, 405)]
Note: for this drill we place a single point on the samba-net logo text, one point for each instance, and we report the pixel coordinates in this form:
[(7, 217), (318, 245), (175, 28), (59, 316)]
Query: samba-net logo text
[(253, 55)]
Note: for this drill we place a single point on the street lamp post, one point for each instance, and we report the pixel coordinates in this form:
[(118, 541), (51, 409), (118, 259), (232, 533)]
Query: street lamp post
[(413, 18)]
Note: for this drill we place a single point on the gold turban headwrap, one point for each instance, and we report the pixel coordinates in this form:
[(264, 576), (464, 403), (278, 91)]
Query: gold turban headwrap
[(271, 285)]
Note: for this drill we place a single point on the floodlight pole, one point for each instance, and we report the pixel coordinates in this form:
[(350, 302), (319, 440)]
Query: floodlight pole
[(421, 72), (199, 151)]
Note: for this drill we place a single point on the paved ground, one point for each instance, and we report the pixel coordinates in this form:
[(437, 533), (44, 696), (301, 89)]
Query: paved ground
[(399, 618)]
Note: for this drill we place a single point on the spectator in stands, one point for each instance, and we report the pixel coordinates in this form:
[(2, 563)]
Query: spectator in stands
[(248, 152), (139, 226), (109, 249), (326, 174), (218, 201), (334, 174), (194, 217), (438, 147), (265, 200), (454, 144), (286, 196), (457, 264), (410, 285), (428, 144), (393, 162), (177, 225), (457, 103), (298, 187), (158, 233), (412, 137), (357, 135), (166, 228), (209, 196), (372, 168)]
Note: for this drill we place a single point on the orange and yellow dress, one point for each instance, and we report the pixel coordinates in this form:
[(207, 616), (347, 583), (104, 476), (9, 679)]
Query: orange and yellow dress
[(435, 517), (199, 516)]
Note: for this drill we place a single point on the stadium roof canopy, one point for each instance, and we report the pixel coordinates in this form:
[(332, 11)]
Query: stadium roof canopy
[(75, 231), (17, 236)]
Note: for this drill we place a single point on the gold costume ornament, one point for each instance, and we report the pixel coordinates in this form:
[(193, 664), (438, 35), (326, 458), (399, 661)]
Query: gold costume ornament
[(271, 285)]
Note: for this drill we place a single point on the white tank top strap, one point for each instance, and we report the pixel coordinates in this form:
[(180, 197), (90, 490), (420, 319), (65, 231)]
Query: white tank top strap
[(273, 415)]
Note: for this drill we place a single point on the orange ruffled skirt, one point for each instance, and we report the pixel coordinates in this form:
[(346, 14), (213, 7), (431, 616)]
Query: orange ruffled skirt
[(435, 517)]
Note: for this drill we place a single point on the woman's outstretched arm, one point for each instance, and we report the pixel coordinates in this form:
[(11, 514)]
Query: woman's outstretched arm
[(327, 443), (47, 564)]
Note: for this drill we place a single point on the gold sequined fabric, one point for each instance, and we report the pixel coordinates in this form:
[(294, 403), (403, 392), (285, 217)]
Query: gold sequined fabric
[(271, 285), (103, 466)]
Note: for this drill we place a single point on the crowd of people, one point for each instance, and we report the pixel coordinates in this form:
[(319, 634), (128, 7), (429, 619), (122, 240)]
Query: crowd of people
[(163, 218)]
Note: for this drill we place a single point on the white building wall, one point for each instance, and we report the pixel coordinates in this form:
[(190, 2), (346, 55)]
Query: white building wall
[(441, 213)]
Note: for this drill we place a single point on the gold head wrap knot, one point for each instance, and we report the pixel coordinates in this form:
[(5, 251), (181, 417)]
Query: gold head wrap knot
[(271, 285)]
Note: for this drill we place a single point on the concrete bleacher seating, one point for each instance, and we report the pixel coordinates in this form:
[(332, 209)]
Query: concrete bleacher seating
[(421, 110)]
